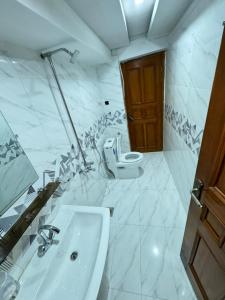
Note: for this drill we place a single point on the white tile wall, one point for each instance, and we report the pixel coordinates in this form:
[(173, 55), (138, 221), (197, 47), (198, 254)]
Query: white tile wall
[(190, 67), (111, 89), (32, 105)]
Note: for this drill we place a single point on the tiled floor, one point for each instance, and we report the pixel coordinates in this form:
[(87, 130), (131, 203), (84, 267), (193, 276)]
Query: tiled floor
[(146, 234)]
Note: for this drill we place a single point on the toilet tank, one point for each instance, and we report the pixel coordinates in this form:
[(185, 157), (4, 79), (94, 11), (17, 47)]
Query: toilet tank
[(110, 151)]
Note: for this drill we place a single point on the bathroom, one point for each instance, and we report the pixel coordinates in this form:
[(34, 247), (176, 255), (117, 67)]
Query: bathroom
[(96, 203)]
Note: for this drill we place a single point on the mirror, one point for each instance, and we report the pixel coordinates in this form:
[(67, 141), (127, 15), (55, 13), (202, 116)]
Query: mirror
[(16, 171)]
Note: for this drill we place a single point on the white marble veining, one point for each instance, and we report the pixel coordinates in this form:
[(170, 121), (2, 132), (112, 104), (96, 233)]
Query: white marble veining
[(190, 68), (32, 105), (146, 234), (111, 89)]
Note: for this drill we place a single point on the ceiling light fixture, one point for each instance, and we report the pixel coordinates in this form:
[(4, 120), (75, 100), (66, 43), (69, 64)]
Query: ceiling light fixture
[(138, 2)]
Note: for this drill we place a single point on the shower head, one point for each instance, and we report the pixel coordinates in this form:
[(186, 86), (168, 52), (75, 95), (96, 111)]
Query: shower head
[(73, 55)]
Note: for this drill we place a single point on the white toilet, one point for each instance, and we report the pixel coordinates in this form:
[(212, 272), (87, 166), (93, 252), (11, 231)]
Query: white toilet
[(123, 165)]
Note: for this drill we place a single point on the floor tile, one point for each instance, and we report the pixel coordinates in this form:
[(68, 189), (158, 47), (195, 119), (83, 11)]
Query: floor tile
[(162, 273), (125, 270), (118, 295), (150, 298), (146, 235), (126, 206), (156, 277), (182, 284), (156, 172), (149, 203), (161, 208), (108, 264)]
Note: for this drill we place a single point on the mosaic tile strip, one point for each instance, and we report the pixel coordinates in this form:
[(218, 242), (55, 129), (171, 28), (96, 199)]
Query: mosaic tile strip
[(10, 151), (191, 135), (69, 166)]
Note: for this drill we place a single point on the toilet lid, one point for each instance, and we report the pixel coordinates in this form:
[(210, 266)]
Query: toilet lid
[(131, 157)]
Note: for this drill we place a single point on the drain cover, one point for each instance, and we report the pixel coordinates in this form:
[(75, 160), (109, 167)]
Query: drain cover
[(74, 255)]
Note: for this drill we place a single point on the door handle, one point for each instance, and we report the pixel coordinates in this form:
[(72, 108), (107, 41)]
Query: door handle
[(197, 202), (130, 118), (196, 192)]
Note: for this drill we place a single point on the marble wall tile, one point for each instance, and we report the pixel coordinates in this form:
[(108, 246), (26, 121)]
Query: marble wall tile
[(111, 89), (190, 68), (32, 105), (182, 163)]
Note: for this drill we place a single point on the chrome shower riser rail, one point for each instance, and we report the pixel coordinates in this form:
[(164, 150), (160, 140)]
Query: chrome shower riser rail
[(66, 107)]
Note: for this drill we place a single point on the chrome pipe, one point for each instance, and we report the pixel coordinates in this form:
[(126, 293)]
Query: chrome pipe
[(49, 53), (48, 56)]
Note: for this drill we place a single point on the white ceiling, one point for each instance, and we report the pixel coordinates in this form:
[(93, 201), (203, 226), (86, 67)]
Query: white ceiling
[(105, 18), (138, 15), (44, 24), (165, 16), (19, 25), (25, 25)]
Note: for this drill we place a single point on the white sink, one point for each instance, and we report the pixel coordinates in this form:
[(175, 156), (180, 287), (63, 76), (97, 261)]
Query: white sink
[(55, 276)]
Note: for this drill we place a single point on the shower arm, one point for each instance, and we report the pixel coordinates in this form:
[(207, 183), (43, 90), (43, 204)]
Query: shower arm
[(48, 56), (50, 53)]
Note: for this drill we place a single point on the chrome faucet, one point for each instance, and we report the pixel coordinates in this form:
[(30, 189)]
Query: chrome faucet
[(47, 239)]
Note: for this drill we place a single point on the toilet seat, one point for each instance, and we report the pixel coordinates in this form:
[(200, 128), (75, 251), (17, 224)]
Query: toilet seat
[(122, 165), (130, 157)]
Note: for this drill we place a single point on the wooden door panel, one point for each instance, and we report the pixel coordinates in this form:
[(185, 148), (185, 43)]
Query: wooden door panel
[(151, 135), (146, 111), (208, 272), (134, 82), (220, 184), (144, 85), (203, 248), (213, 217), (137, 139), (215, 227), (149, 83)]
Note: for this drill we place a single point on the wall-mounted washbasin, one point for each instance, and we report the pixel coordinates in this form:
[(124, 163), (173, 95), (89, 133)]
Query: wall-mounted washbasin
[(73, 268)]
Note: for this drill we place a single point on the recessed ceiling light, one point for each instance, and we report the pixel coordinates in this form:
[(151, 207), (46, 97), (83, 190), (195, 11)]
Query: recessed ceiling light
[(138, 2)]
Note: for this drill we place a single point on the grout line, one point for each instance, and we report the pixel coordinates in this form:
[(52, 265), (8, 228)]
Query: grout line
[(137, 294)]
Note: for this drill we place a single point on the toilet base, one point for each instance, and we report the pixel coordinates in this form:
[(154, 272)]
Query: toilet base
[(128, 173)]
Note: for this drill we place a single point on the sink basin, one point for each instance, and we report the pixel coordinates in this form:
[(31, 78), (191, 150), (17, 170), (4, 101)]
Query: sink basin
[(84, 231)]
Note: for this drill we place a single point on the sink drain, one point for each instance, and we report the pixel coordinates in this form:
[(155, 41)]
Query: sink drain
[(74, 255)]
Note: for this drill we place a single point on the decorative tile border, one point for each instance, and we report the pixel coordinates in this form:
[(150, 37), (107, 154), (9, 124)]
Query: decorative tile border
[(68, 167), (9, 151), (107, 120), (189, 132)]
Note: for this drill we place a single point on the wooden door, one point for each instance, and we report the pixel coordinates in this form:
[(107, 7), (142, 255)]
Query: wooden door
[(143, 88), (203, 248)]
